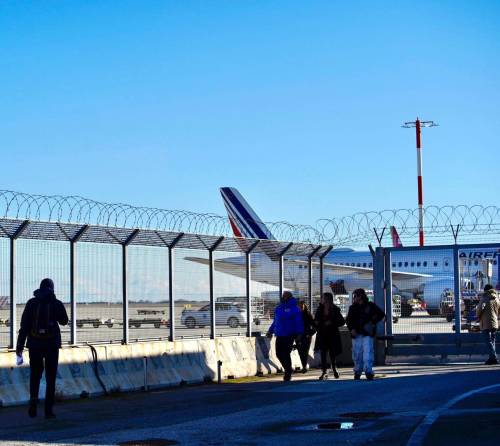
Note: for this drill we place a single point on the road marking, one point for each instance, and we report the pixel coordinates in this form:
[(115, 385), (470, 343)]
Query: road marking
[(423, 428)]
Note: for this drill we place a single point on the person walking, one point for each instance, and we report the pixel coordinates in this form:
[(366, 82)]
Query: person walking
[(328, 319), (488, 312), (306, 337), (362, 320), (40, 327), (287, 327)]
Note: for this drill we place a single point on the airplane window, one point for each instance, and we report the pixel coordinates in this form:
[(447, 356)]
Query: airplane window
[(400, 264), (358, 264), (476, 262), (406, 264), (364, 265), (370, 265), (470, 262), (418, 263), (412, 264), (394, 265), (446, 264), (435, 263), (425, 263), (494, 262)]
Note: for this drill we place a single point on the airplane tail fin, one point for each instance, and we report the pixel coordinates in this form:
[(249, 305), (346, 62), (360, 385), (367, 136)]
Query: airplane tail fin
[(396, 241), (243, 219)]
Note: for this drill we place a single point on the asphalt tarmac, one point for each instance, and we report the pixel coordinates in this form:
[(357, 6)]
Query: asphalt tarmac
[(453, 404)]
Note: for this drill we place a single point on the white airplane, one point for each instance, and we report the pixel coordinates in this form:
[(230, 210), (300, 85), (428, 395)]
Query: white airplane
[(426, 273)]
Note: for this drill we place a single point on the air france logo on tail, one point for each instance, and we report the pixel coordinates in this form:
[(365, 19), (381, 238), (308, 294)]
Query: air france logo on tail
[(396, 241), (244, 221)]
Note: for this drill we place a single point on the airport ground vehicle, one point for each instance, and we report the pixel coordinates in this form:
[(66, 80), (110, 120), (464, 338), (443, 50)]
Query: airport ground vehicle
[(226, 313), (157, 323), (5, 322), (95, 322), (468, 303), (153, 312)]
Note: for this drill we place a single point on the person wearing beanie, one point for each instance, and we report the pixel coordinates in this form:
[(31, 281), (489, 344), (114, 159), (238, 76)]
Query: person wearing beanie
[(488, 312), (40, 331)]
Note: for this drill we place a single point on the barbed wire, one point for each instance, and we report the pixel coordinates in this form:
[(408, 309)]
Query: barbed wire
[(470, 222)]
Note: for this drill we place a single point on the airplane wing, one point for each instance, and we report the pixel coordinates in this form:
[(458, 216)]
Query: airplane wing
[(236, 267)]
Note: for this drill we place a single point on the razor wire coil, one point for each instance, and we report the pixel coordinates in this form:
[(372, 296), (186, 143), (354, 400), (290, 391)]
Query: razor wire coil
[(471, 222)]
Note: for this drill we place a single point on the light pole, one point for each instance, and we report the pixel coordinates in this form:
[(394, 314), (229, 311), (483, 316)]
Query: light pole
[(417, 125)]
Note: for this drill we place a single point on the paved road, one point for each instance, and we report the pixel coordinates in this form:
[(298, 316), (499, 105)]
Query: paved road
[(406, 405)]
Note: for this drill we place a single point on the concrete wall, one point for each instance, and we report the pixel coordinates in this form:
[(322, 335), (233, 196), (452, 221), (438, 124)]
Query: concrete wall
[(156, 364)]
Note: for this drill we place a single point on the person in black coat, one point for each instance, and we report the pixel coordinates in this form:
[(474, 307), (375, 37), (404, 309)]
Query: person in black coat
[(328, 319), (305, 339), (40, 327)]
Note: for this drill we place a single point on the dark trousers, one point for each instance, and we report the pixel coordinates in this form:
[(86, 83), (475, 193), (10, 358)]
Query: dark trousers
[(284, 346), (303, 348), (324, 361), (490, 339), (37, 359)]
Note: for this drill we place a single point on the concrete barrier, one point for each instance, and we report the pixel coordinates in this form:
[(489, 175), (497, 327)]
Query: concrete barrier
[(154, 364)]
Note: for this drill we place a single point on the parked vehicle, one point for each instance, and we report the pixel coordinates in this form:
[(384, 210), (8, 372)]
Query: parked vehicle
[(157, 323), (96, 323), (226, 313)]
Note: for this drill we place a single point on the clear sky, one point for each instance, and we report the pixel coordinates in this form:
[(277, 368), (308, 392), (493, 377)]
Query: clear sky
[(298, 104)]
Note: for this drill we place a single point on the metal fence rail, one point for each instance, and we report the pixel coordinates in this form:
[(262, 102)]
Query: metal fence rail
[(127, 284)]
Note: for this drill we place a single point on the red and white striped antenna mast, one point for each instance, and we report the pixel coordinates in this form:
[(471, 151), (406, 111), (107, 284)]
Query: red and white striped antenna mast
[(418, 125)]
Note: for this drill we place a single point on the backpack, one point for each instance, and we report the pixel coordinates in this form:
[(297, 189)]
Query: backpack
[(43, 326)]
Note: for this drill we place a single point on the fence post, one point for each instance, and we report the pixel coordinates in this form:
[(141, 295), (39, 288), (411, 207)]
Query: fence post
[(388, 291), (282, 268), (171, 295), (12, 284), (125, 244), (321, 271), (310, 276), (457, 294), (211, 284), (72, 269), (248, 279), (378, 285)]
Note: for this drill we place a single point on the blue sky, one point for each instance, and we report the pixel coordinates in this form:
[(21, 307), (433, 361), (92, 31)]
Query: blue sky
[(298, 104)]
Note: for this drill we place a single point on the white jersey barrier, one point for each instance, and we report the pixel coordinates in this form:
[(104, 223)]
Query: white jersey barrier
[(149, 365)]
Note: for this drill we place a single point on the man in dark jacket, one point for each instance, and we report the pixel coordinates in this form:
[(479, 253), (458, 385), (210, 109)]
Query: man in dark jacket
[(362, 320), (287, 326), (40, 326)]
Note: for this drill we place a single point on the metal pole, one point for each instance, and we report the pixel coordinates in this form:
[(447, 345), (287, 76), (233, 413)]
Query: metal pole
[(282, 268), (72, 269), (125, 244), (125, 339), (388, 291), (310, 276), (420, 186), (171, 295), (211, 285), (321, 270), (418, 124), (379, 283), (12, 283), (13, 297), (457, 292), (248, 277)]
